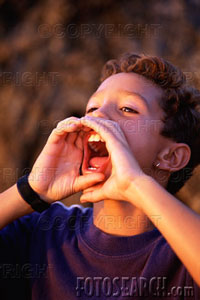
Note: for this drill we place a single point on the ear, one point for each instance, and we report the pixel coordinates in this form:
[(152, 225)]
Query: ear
[(175, 157)]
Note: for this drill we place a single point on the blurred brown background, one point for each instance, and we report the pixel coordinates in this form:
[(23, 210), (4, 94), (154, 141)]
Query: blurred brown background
[(51, 54)]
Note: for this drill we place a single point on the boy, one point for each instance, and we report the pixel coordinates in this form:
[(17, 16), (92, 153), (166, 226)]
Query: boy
[(140, 131)]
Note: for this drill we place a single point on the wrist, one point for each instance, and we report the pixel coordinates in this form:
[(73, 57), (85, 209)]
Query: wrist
[(136, 191), (30, 196), (31, 181), (20, 204)]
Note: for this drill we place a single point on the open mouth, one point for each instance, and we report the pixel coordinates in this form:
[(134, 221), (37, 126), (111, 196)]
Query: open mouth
[(96, 156)]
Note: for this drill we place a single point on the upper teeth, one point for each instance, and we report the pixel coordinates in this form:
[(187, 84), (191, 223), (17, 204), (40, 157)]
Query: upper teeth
[(95, 138)]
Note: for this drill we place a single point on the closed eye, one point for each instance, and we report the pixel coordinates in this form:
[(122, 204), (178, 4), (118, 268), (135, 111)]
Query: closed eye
[(128, 109)]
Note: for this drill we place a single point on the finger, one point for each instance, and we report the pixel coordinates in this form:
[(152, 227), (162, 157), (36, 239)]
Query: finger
[(71, 137), (94, 187), (85, 181), (112, 140), (79, 141), (60, 133), (68, 126), (110, 125), (67, 121), (109, 130), (115, 140), (93, 196), (86, 129)]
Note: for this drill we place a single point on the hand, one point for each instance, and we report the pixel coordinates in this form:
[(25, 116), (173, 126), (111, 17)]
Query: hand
[(125, 168), (55, 174)]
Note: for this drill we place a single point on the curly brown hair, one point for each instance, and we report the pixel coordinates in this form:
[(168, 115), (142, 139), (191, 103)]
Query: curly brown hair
[(180, 103)]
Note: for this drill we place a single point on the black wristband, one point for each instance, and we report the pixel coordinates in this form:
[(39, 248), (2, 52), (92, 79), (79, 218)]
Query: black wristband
[(30, 196)]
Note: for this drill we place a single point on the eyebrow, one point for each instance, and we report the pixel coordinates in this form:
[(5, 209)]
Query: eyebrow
[(139, 96), (127, 93)]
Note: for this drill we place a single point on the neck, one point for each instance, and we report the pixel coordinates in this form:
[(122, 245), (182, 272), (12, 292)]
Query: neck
[(120, 218)]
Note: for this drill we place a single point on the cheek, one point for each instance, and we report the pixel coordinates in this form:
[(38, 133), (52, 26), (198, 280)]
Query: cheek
[(129, 127), (143, 146), (145, 127), (142, 141), (137, 132)]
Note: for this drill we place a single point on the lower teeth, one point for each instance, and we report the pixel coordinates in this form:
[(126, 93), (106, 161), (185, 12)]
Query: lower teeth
[(91, 168)]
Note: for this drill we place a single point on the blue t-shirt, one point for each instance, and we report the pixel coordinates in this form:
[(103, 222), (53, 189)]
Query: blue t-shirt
[(60, 254)]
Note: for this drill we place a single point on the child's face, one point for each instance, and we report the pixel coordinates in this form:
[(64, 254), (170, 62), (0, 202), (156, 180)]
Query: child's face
[(132, 101)]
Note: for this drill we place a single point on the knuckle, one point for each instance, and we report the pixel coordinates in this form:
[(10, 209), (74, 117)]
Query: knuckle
[(72, 118), (66, 121), (54, 131), (59, 125)]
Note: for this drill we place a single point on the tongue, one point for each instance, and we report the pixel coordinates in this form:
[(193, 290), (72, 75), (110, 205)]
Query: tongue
[(97, 162)]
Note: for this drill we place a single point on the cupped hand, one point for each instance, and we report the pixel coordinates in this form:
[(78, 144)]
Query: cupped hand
[(56, 172), (125, 168)]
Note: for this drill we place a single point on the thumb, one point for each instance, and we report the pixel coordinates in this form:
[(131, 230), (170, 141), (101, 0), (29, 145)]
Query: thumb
[(85, 181), (92, 195)]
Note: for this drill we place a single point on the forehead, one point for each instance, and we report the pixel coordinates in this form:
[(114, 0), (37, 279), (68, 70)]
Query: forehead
[(130, 83)]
